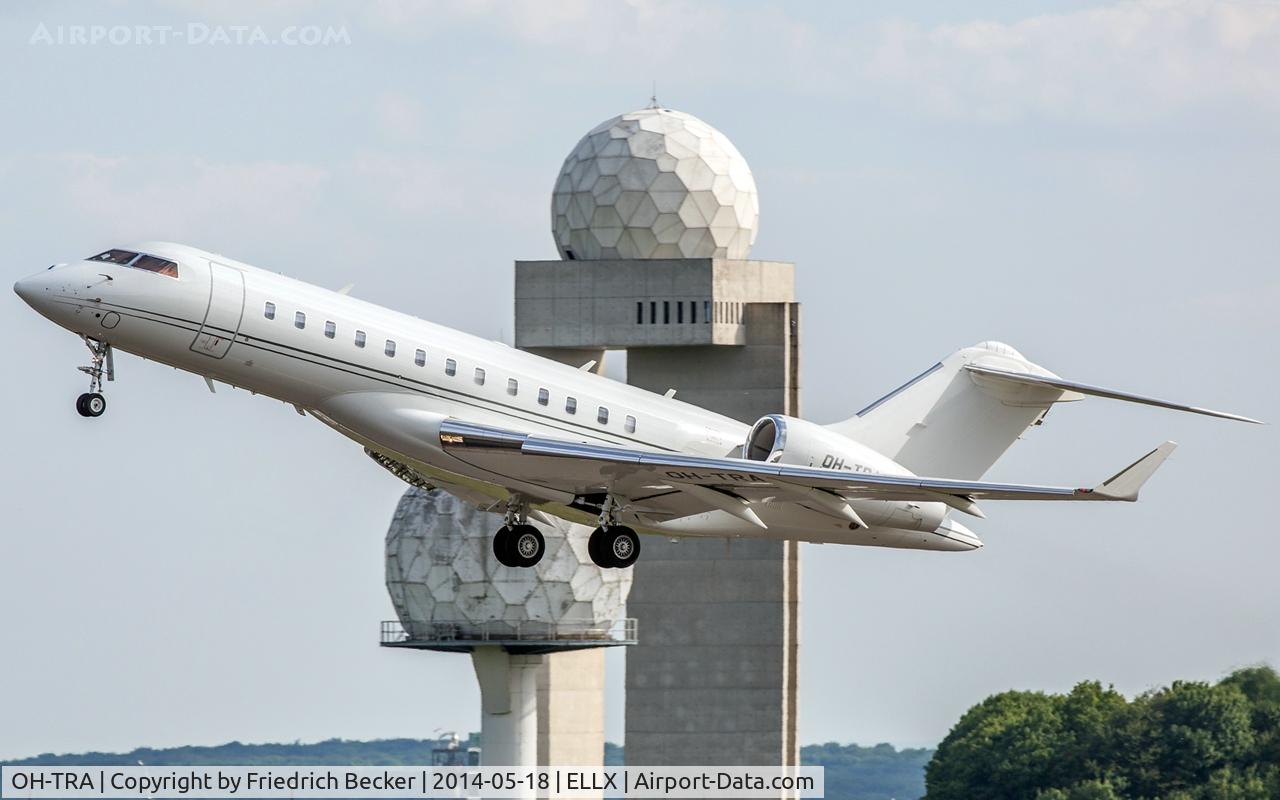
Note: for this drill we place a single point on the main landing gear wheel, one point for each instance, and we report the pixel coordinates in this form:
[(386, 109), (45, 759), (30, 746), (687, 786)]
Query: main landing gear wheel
[(91, 404), (616, 547), (519, 546)]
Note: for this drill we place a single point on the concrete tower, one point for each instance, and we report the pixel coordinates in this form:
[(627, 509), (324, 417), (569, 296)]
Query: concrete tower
[(654, 213)]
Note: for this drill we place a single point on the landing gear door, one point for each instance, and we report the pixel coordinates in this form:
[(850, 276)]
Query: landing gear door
[(222, 317)]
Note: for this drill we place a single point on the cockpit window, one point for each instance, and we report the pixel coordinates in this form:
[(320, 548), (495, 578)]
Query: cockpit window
[(128, 258), (153, 264), (116, 256)]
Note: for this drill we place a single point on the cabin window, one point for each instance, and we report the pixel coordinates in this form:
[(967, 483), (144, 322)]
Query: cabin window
[(450, 367), (571, 405), (330, 330), (602, 415), (544, 397), (360, 338), (639, 312), (513, 386), (269, 310), (299, 320), (629, 424), (479, 376), (390, 349), (420, 358)]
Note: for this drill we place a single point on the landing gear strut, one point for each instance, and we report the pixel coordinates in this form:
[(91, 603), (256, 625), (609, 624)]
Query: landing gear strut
[(517, 543), (613, 546), (92, 403)]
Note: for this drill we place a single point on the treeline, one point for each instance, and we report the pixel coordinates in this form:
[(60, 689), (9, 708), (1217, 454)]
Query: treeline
[(378, 753), (853, 773), (1189, 741), (881, 772)]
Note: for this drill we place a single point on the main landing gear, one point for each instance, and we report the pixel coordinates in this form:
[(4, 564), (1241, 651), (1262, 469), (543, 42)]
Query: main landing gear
[(92, 403), (613, 546), (517, 543)]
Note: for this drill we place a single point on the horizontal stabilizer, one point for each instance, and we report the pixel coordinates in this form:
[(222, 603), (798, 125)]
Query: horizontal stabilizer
[(1124, 485), (1028, 379)]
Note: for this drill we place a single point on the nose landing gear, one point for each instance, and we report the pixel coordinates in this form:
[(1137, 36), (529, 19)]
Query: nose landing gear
[(92, 403)]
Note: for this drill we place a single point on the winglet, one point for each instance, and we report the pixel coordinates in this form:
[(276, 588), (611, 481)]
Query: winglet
[(1124, 485)]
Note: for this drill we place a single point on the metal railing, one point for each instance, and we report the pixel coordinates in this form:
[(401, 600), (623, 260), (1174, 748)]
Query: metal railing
[(619, 631)]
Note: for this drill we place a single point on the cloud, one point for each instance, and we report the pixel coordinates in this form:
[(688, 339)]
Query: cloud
[(399, 116), (177, 196), (1118, 63), (200, 200), (1254, 307)]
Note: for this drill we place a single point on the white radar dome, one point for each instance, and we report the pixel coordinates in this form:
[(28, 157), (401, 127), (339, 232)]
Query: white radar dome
[(655, 183), (441, 572)]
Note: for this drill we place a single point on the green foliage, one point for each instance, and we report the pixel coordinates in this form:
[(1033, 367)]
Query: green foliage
[(1189, 741), (383, 752), (999, 750), (869, 773), (853, 772), (1085, 790), (614, 755)]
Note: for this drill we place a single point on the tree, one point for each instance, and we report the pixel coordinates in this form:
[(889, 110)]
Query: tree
[(1086, 790), (1261, 685), (1188, 741), (1004, 748), (1090, 715), (1180, 735)]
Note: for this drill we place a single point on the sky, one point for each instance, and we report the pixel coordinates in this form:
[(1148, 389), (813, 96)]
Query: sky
[(1096, 184)]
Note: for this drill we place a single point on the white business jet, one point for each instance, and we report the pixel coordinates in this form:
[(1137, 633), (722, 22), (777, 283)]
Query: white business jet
[(532, 438)]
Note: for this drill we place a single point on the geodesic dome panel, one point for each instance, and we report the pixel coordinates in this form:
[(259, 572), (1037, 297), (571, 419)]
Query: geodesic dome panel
[(654, 183), (441, 571)]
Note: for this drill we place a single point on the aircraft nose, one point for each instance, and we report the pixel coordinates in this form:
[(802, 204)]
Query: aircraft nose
[(25, 289), (34, 289)]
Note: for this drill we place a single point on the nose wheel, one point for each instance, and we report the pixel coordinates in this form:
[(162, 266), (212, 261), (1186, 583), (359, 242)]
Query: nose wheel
[(102, 366), (91, 404)]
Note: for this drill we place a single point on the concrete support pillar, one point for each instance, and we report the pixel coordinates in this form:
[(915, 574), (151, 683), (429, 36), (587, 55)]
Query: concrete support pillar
[(571, 709), (509, 706)]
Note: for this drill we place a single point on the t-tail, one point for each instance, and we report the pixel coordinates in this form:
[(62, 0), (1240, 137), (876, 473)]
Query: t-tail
[(958, 417)]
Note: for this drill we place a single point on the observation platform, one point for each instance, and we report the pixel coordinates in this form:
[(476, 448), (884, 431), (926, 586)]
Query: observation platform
[(517, 638)]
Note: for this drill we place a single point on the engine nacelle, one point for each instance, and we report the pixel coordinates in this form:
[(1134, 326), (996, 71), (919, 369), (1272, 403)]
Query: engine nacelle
[(777, 439)]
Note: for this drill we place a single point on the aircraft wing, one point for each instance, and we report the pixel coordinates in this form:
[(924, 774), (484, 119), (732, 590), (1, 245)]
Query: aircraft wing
[(727, 483)]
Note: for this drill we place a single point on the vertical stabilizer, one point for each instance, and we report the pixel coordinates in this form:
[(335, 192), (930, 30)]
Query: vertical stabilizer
[(953, 423)]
